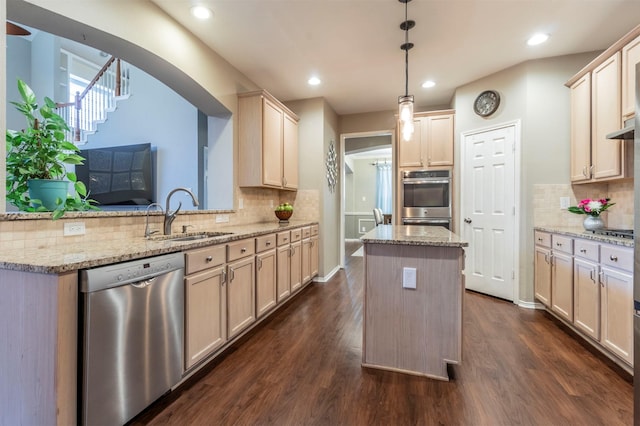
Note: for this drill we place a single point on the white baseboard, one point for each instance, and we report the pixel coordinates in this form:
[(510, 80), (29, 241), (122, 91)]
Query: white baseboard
[(328, 276), (530, 305), (352, 240)]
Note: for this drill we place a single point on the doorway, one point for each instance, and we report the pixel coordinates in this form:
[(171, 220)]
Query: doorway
[(367, 159), (489, 214)]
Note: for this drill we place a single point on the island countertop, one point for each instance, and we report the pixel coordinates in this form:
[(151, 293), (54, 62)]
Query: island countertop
[(413, 235)]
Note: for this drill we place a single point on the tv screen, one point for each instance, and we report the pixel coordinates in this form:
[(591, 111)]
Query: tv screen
[(119, 175)]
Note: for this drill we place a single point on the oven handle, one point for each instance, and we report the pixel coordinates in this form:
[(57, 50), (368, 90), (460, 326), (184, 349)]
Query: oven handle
[(423, 220), (419, 181)]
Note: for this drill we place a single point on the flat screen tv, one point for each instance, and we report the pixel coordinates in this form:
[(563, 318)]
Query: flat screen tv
[(119, 175)]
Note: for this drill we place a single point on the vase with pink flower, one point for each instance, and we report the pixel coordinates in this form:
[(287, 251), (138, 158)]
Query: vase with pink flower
[(593, 208)]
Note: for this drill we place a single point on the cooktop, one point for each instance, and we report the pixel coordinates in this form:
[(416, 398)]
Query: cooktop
[(621, 233)]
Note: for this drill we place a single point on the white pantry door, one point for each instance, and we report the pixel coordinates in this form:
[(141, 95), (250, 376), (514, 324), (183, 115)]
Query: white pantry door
[(488, 211)]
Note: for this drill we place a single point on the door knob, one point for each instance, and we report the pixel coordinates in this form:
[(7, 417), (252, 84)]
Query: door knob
[(467, 220)]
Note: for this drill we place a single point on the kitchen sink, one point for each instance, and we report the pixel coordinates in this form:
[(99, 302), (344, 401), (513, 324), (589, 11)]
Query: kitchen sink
[(190, 236)]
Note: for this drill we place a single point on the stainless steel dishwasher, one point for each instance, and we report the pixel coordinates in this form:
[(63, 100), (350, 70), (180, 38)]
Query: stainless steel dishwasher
[(132, 331)]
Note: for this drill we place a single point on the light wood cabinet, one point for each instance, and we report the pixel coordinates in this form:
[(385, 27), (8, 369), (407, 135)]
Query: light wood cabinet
[(607, 154), (295, 265), (266, 265), (562, 276), (542, 268), (268, 142), (586, 288), (431, 145), (581, 129), (241, 295), (630, 57), (314, 256), (205, 303), (616, 279), (306, 255)]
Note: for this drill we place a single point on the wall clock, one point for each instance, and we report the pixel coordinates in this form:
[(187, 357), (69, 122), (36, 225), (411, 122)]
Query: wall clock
[(486, 103)]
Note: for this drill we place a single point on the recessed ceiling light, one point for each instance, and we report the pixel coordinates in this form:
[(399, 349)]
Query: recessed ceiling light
[(314, 81), (428, 83), (537, 39), (201, 12)]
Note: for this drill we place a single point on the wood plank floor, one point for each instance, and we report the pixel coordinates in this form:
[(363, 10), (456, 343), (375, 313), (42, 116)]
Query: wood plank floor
[(302, 367)]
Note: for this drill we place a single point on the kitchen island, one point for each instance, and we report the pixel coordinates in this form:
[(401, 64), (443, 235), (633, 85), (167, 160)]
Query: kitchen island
[(413, 296)]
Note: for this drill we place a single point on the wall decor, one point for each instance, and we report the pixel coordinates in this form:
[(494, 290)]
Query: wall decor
[(332, 167)]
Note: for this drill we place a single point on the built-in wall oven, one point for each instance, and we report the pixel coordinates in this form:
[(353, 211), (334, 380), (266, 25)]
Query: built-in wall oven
[(426, 198)]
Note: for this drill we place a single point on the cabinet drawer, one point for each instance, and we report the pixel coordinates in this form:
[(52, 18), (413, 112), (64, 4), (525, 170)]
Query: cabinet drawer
[(542, 239), (314, 230), (617, 257), (207, 257), (265, 242), (284, 238), (240, 249), (296, 234), (586, 249), (306, 232), (562, 244)]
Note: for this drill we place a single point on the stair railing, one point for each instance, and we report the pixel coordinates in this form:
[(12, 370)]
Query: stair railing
[(99, 97)]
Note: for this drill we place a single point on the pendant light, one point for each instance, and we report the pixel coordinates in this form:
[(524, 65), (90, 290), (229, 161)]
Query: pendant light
[(405, 103)]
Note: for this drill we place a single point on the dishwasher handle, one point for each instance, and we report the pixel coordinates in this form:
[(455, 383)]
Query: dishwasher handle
[(143, 284)]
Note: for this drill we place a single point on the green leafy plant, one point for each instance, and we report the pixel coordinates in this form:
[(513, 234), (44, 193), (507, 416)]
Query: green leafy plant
[(41, 151)]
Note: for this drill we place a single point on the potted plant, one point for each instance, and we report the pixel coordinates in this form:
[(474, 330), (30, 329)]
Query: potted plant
[(37, 155), (593, 208)]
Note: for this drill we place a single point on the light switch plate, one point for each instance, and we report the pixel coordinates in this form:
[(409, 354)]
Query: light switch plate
[(409, 278), (74, 228)]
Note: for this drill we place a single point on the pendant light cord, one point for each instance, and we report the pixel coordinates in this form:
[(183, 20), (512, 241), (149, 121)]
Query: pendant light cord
[(406, 50)]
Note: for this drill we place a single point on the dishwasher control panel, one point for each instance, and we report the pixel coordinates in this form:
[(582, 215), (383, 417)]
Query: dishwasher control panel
[(129, 272)]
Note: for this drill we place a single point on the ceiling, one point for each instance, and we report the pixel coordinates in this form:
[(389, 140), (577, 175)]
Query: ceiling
[(353, 46)]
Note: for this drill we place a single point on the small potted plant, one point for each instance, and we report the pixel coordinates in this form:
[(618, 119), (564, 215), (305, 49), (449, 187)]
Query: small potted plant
[(592, 208), (36, 157)]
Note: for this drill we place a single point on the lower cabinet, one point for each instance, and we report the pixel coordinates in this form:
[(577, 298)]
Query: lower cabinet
[(591, 289), (241, 289), (228, 287), (205, 303)]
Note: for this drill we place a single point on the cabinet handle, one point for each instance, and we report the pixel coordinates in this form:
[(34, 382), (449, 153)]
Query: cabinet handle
[(268, 243), (546, 258), (590, 171), (242, 250), (232, 275), (583, 250), (539, 239), (559, 244), (209, 258), (224, 277), (613, 258), (584, 171), (259, 263), (600, 278), (591, 275)]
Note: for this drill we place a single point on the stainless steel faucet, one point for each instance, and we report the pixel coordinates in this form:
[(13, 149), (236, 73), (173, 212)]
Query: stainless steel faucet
[(147, 231), (169, 216)]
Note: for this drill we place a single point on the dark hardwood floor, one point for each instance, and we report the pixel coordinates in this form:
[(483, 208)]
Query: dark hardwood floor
[(302, 367)]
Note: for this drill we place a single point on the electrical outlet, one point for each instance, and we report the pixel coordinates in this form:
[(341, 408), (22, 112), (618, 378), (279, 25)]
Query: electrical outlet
[(564, 203), (74, 228), (409, 278), (222, 218)]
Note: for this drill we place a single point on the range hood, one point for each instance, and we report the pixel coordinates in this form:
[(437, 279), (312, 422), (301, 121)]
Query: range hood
[(626, 132)]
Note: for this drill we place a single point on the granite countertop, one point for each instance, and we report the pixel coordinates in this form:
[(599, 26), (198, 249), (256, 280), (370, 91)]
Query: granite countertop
[(579, 232), (413, 235), (92, 251)]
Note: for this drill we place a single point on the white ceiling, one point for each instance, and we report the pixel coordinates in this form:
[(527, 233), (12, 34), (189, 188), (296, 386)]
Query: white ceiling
[(354, 45)]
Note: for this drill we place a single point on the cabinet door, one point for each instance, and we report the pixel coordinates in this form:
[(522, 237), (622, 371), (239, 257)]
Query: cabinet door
[(315, 256), (306, 260), (290, 153), (295, 266), (630, 57), (205, 314), (581, 129), (605, 117), (440, 140), (542, 272), (586, 297), (271, 144), (410, 152), (241, 296), (617, 312), (265, 282), (284, 272), (562, 285)]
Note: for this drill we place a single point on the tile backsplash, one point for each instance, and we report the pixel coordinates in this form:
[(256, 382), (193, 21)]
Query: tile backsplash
[(17, 232), (547, 212)]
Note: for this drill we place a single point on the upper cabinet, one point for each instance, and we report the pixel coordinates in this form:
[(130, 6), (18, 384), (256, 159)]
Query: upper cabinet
[(431, 145), (268, 142), (602, 96)]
